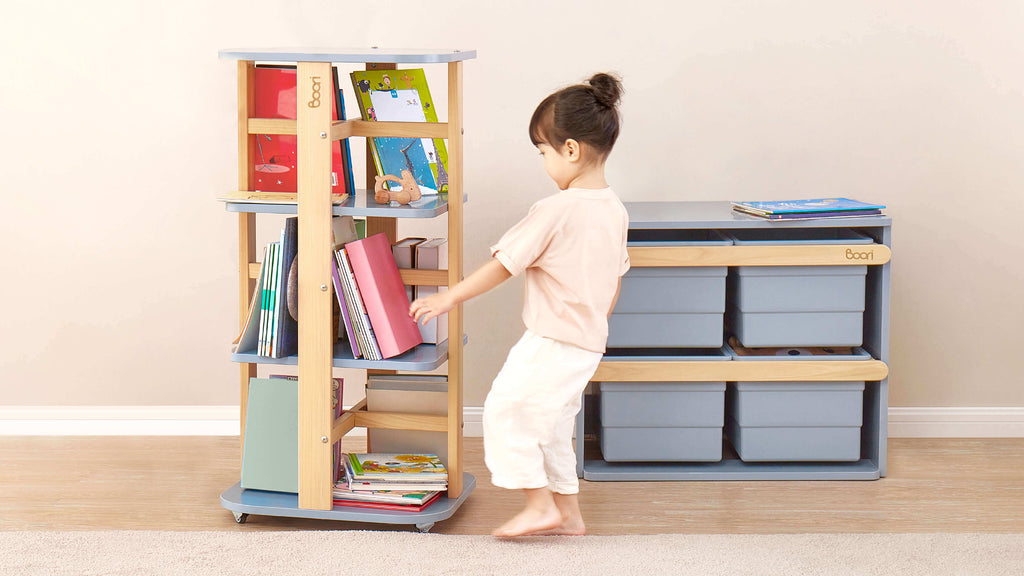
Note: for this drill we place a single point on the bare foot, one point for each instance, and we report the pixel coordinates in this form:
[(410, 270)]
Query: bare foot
[(530, 521), (569, 527)]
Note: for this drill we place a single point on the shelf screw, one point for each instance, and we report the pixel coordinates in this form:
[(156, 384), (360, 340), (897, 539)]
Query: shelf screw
[(323, 134), (323, 439), (323, 287)]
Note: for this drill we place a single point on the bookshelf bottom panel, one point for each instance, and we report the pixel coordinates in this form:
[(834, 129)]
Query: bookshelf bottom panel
[(263, 503), (728, 469)]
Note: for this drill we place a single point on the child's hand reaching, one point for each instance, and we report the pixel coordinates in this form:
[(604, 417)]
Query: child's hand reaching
[(425, 309)]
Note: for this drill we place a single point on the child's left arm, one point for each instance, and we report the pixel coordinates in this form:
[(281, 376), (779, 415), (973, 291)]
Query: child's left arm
[(486, 277)]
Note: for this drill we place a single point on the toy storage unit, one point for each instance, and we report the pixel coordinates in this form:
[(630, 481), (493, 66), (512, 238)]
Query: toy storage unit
[(672, 306), (783, 417), (797, 305)]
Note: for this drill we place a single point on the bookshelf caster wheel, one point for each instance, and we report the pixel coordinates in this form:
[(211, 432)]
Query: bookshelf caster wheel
[(424, 528), (241, 517)]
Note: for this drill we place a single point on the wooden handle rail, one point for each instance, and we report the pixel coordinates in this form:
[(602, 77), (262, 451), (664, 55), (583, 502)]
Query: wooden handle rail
[(788, 255), (747, 370)]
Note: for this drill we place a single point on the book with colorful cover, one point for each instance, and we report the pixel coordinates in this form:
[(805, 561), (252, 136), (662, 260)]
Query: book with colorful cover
[(394, 492), (805, 206), (402, 96), (388, 505), (384, 297), (381, 466), (808, 215), (276, 155)]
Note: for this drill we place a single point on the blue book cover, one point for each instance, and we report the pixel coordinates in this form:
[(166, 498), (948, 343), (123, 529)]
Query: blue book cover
[(812, 205)]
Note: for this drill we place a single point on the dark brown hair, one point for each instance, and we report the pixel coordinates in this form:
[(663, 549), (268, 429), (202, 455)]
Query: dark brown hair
[(586, 113)]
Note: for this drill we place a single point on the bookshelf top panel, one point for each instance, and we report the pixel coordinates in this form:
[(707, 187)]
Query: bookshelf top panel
[(348, 55), (719, 214)]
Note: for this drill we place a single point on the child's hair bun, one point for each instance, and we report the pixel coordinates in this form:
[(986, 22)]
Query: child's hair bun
[(607, 89)]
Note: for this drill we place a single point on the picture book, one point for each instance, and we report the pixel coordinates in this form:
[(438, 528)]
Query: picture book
[(383, 294), (388, 505), (805, 206), (808, 215), (402, 96), (276, 155), (248, 339), (381, 466)]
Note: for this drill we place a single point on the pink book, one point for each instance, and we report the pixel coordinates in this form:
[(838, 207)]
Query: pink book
[(384, 296)]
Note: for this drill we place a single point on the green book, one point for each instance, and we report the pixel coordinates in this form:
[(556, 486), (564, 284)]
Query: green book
[(270, 454)]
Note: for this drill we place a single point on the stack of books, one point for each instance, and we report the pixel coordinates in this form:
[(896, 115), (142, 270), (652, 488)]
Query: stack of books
[(270, 328), (408, 482), (808, 209), (373, 301)]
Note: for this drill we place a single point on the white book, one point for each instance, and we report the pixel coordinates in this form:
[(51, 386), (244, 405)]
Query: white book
[(279, 304), (433, 255), (249, 338), (268, 283), (405, 256)]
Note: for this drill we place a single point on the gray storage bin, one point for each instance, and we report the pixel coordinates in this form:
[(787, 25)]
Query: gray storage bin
[(797, 305), (795, 421), (670, 306)]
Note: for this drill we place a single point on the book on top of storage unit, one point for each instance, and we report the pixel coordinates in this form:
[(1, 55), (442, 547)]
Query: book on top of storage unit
[(820, 205)]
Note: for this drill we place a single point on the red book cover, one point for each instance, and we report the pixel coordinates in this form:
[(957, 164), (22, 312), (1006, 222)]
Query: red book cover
[(276, 154), (384, 296)]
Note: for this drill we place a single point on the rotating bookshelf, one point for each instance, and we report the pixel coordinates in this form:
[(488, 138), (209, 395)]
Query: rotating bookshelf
[(318, 352)]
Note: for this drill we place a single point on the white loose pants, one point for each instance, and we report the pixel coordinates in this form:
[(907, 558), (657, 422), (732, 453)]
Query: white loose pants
[(530, 411)]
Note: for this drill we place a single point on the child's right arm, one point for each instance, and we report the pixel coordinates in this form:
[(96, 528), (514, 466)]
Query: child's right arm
[(486, 277)]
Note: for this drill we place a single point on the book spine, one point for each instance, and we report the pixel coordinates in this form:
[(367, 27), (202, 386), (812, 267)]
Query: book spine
[(373, 351), (279, 304)]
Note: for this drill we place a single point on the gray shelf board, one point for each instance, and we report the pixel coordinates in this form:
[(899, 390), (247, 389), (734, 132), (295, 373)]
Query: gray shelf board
[(360, 204), (422, 358), (349, 55), (264, 503), (729, 469), (719, 214)]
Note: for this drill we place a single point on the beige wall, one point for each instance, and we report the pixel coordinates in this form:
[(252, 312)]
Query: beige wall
[(119, 282)]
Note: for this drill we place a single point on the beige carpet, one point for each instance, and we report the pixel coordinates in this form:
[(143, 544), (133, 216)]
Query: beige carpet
[(366, 553)]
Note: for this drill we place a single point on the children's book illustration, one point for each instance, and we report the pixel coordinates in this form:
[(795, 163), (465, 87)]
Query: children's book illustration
[(276, 154), (402, 96)]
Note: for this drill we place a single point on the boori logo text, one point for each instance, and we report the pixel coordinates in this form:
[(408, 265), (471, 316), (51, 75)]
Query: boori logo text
[(315, 102), (852, 254)]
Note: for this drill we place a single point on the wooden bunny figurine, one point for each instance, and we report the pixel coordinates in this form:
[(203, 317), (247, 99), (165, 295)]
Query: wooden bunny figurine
[(410, 189)]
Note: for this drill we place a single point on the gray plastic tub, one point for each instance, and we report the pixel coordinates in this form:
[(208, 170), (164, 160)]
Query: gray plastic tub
[(675, 306), (796, 421), (797, 305), (663, 421)]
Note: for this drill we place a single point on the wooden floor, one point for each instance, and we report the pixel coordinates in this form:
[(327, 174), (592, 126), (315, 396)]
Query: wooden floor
[(174, 483)]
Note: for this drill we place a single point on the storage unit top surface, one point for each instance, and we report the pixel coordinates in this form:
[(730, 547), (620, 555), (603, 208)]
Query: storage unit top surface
[(349, 55), (719, 214)]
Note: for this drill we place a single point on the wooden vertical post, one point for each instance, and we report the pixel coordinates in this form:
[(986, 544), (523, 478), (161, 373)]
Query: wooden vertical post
[(315, 99), (246, 222), (455, 221)]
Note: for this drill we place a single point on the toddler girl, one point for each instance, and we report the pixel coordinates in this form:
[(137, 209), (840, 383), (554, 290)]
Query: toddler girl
[(572, 248)]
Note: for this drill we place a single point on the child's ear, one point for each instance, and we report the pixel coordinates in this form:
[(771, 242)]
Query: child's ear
[(572, 150)]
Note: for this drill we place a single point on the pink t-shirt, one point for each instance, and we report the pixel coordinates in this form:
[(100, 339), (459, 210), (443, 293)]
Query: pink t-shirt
[(572, 247)]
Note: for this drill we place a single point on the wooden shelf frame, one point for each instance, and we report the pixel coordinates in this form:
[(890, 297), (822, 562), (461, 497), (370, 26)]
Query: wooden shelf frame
[(315, 131)]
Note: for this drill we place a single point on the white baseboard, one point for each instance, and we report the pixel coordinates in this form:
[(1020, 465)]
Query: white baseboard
[(223, 421), (956, 422)]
